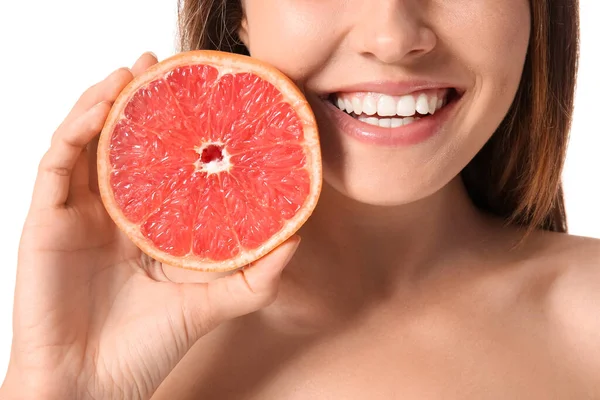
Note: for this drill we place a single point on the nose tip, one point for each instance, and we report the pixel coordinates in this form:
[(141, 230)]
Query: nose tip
[(392, 49), (394, 33)]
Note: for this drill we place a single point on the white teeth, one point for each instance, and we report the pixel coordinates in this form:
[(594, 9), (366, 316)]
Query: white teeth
[(349, 107), (357, 105), (432, 105), (369, 106), (406, 106), (388, 122), (422, 104), (382, 105), (369, 120), (396, 122), (372, 121), (385, 122), (386, 106)]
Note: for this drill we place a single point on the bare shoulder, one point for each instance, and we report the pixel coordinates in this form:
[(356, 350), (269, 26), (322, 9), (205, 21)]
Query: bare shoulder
[(579, 250), (572, 301), (577, 261), (576, 289)]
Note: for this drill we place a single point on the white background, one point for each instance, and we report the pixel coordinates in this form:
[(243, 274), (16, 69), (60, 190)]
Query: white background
[(51, 51)]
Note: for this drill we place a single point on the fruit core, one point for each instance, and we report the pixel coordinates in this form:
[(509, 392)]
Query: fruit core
[(211, 153)]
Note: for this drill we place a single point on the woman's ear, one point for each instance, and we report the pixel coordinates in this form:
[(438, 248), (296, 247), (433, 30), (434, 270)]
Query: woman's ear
[(243, 32)]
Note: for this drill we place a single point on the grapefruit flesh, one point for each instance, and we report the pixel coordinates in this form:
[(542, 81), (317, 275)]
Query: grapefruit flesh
[(209, 160)]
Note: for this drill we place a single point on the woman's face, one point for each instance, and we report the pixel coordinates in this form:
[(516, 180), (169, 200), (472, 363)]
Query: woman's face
[(389, 62)]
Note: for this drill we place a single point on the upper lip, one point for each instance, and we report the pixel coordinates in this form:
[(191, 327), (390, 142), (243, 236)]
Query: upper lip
[(394, 88)]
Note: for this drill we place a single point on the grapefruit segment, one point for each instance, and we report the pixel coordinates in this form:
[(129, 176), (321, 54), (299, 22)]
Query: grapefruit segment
[(209, 160), (252, 221), (154, 108), (136, 146), (240, 103), (282, 124), (191, 86), (216, 244), (169, 227)]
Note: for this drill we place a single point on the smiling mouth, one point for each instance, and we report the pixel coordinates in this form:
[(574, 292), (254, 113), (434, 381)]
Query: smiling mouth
[(387, 111)]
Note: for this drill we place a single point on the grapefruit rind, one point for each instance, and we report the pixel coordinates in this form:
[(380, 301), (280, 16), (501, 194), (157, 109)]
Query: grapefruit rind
[(226, 63)]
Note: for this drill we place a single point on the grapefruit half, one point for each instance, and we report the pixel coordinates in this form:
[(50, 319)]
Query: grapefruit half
[(209, 160)]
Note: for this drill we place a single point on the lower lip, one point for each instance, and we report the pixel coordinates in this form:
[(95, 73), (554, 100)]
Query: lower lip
[(408, 135)]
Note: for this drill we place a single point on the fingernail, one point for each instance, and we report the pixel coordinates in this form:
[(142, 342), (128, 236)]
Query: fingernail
[(151, 53), (298, 239)]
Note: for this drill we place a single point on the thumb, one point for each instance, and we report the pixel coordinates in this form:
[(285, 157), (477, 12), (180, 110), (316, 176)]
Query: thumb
[(247, 290)]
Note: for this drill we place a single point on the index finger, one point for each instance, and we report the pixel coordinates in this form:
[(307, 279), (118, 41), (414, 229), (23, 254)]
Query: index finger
[(106, 90), (145, 61)]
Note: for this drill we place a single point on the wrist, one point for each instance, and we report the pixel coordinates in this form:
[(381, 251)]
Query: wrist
[(9, 391), (17, 387)]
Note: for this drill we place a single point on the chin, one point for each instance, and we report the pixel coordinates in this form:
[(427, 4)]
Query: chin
[(383, 189)]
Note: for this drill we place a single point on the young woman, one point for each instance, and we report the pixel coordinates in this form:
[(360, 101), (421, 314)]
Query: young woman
[(434, 267)]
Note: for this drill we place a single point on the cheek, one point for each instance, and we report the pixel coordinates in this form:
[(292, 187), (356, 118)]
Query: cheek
[(293, 36), (491, 38)]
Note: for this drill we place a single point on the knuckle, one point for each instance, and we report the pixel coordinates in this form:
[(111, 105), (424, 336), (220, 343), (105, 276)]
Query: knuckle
[(60, 171), (47, 166), (116, 81), (96, 121), (90, 92)]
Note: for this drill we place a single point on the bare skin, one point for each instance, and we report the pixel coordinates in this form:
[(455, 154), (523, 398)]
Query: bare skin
[(400, 288), (366, 311), (483, 321)]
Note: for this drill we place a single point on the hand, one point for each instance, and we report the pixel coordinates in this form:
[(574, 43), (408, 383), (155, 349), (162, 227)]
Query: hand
[(93, 316)]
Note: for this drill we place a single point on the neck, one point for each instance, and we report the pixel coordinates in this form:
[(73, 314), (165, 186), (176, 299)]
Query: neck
[(354, 254)]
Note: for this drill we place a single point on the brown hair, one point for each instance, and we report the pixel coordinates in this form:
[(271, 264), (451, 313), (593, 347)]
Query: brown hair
[(517, 174)]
